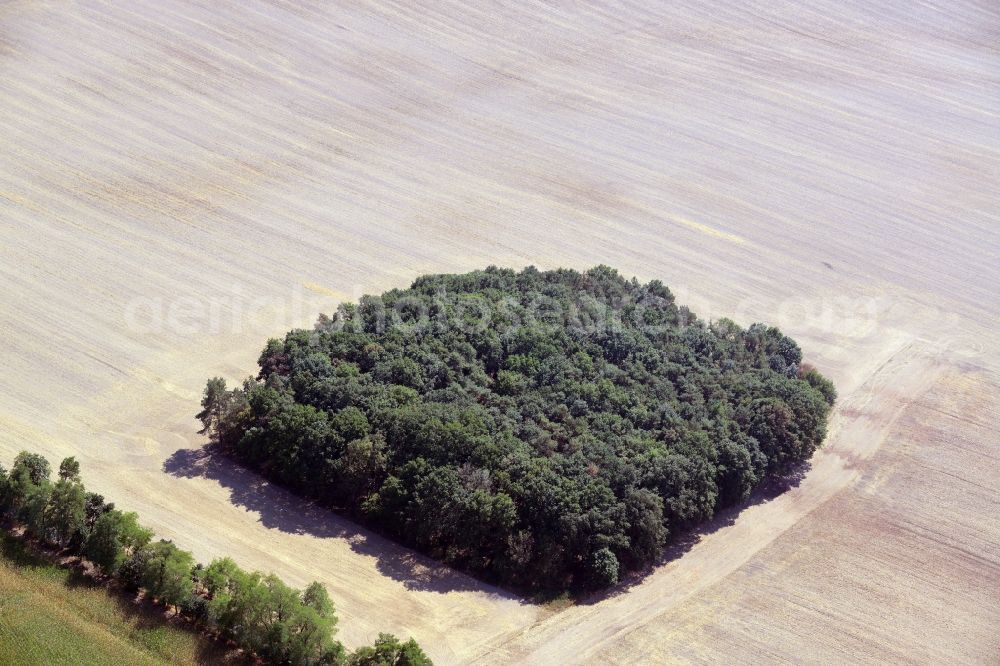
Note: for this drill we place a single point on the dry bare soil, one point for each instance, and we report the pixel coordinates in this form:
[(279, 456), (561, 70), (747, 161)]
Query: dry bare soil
[(179, 181)]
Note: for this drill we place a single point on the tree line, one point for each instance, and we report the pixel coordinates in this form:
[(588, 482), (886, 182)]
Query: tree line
[(260, 613), (545, 430)]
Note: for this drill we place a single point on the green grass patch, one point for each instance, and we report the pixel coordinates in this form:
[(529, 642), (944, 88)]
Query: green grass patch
[(50, 615)]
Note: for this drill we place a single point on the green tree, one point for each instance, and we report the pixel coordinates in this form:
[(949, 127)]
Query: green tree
[(34, 464), (66, 510), (316, 597), (603, 568), (4, 490), (96, 507), (113, 539), (307, 638), (362, 466), (268, 617), (167, 572), (69, 469), (736, 475), (213, 403), (772, 424), (26, 490), (104, 547), (223, 412), (238, 601), (31, 511), (646, 531), (389, 651), (279, 605), (219, 575), (351, 423)]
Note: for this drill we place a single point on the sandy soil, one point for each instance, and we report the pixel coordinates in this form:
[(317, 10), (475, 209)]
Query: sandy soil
[(179, 181)]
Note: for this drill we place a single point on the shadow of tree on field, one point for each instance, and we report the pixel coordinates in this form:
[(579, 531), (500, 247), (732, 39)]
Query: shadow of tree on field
[(685, 541), (283, 510)]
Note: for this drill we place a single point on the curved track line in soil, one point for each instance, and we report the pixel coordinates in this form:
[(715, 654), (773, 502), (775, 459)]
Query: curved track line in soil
[(859, 425)]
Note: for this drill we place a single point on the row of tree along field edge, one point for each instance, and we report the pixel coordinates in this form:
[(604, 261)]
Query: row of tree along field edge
[(260, 613), (544, 430)]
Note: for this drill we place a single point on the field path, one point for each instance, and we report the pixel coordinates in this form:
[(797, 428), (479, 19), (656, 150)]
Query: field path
[(861, 423)]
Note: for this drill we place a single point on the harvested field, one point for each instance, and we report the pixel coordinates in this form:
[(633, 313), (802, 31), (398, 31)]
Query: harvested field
[(178, 181)]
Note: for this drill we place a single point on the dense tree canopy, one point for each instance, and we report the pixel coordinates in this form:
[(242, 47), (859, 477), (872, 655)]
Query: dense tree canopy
[(544, 429)]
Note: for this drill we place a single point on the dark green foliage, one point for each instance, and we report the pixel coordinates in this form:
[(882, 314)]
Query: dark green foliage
[(544, 429), (738, 469), (646, 532)]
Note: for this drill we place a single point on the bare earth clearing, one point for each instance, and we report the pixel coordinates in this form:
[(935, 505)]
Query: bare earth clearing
[(179, 181)]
